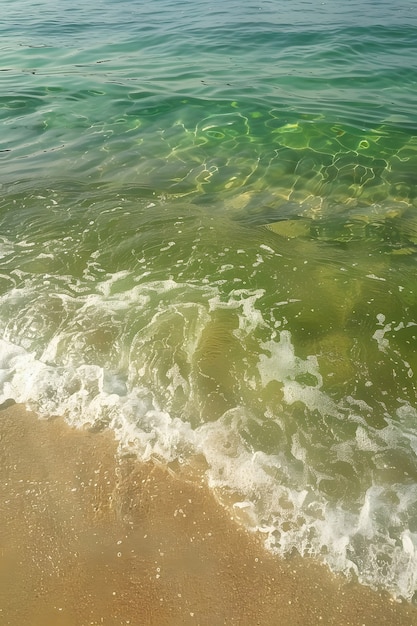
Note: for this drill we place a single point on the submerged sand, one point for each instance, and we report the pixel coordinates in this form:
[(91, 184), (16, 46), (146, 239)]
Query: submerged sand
[(89, 538)]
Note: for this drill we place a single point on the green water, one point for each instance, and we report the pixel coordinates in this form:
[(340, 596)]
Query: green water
[(208, 243)]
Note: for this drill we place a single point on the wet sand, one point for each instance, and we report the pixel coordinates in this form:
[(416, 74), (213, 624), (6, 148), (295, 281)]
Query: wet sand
[(88, 538)]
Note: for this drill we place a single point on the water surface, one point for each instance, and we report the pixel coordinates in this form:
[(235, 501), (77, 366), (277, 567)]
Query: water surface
[(208, 243)]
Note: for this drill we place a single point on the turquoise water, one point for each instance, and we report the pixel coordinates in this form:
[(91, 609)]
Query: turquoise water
[(208, 243)]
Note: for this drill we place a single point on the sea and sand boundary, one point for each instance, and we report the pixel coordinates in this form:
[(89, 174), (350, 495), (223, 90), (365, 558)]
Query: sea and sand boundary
[(90, 538)]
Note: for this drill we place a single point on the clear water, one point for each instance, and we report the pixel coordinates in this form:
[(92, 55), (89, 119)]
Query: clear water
[(208, 243)]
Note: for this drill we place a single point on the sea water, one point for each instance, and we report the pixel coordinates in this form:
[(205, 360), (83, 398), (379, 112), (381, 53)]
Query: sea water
[(208, 243)]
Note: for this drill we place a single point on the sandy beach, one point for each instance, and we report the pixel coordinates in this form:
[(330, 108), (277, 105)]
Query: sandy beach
[(89, 538)]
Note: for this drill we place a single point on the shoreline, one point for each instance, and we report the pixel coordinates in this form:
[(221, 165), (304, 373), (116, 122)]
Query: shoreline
[(89, 538)]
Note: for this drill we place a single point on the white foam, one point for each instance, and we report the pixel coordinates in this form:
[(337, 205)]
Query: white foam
[(250, 316), (374, 277), (379, 334)]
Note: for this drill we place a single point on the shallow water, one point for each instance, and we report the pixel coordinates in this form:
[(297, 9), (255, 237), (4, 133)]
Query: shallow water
[(208, 242)]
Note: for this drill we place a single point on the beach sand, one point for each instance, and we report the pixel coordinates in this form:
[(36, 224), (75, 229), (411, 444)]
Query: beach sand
[(88, 538)]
